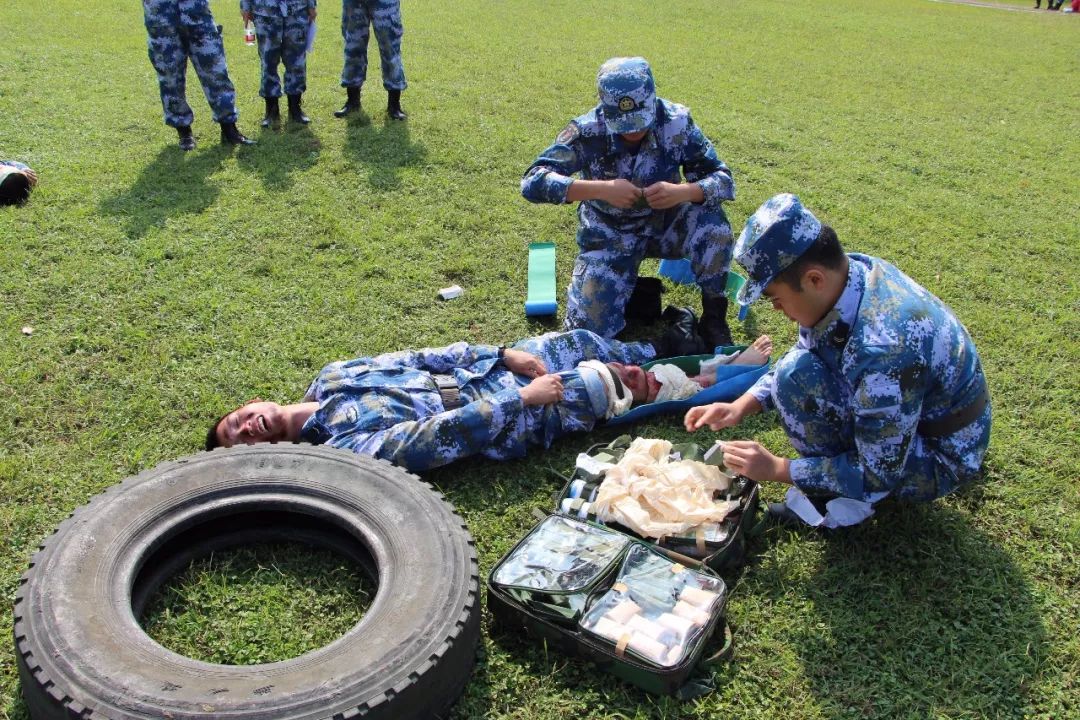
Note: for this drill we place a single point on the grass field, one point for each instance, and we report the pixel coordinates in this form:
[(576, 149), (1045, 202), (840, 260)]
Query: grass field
[(164, 288)]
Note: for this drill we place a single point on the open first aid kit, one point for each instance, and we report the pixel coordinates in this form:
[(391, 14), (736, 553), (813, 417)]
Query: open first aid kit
[(638, 608)]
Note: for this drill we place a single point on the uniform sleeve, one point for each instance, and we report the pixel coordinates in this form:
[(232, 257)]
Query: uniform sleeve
[(549, 177), (563, 351), (886, 407), (701, 165), (437, 360), (762, 390), (429, 443)]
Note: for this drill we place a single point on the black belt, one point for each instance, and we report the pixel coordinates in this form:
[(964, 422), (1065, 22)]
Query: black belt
[(448, 388), (956, 420)]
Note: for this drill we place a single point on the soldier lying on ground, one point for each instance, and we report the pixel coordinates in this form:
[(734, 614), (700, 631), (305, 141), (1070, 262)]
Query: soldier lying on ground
[(883, 392), (426, 408)]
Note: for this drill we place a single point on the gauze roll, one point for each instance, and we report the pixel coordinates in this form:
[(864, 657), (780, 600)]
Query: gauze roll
[(680, 625), (622, 612), (690, 612), (647, 647), (703, 599), (653, 629), (609, 629)]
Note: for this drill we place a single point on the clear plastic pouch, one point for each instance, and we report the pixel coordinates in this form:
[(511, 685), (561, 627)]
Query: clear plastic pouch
[(561, 555), (656, 609)]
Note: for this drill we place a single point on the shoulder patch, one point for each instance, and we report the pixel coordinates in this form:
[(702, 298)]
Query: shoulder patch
[(569, 134)]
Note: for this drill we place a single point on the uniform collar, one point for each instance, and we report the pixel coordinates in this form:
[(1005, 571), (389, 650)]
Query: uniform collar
[(834, 328)]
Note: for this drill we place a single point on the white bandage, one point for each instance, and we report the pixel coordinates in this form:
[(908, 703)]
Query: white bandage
[(616, 406), (674, 384)]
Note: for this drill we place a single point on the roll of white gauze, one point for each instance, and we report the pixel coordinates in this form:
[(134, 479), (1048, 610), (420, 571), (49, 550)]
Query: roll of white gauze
[(652, 628), (704, 599), (609, 629), (680, 625), (675, 654), (622, 612), (647, 647), (692, 613)]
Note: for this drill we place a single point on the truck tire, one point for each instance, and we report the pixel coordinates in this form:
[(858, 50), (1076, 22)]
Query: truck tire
[(81, 651)]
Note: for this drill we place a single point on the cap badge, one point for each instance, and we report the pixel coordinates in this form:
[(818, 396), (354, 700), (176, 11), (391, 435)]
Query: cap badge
[(626, 103)]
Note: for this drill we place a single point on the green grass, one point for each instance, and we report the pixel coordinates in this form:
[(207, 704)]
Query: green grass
[(163, 288)]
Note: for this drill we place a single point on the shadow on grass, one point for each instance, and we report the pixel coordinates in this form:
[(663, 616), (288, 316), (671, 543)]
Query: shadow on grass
[(381, 149), (175, 183), (917, 614), (282, 152)]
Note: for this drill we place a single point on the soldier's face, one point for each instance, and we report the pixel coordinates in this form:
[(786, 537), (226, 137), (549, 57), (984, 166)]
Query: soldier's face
[(805, 305), (642, 385), (253, 423)]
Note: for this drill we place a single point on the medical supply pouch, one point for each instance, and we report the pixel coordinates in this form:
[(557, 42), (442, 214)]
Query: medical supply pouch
[(645, 618), (720, 545)]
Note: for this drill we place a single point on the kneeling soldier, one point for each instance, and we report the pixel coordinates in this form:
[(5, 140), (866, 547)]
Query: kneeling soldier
[(882, 394)]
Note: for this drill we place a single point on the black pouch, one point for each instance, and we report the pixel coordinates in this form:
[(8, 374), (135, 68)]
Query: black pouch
[(637, 613), (722, 548)]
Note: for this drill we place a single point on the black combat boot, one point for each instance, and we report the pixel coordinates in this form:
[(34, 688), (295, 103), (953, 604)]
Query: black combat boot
[(393, 105), (296, 113), (681, 336), (231, 135), (714, 328), (273, 113), (352, 103), (187, 140)]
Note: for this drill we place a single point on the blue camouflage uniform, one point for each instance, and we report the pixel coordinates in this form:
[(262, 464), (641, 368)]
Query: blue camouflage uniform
[(613, 241), (182, 29), (281, 27), (861, 392), (385, 16), (389, 406)]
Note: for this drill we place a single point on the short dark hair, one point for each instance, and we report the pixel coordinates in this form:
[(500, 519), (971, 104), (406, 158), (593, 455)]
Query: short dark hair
[(211, 434), (14, 189), (826, 252)]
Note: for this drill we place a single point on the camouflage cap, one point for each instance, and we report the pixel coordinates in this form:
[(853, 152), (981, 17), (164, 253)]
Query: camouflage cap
[(627, 94), (774, 237)]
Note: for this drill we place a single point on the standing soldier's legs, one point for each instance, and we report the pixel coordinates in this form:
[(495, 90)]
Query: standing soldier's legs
[(386, 20), (354, 29), (270, 30), (704, 237), (168, 55), (294, 53), (601, 285), (208, 57)]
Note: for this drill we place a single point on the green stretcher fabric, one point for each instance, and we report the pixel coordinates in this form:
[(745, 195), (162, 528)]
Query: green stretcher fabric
[(541, 299)]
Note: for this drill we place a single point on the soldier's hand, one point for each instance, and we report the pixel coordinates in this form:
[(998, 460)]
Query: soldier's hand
[(717, 416), (520, 362), (664, 195), (544, 390), (622, 193), (247, 16), (751, 459), (312, 13)]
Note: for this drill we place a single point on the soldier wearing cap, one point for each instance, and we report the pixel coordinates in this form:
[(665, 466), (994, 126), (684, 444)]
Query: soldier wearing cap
[(883, 394), (178, 30), (629, 151)]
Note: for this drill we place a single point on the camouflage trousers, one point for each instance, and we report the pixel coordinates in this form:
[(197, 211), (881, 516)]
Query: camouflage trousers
[(357, 16), (607, 265), (816, 413), (172, 39), (282, 40)]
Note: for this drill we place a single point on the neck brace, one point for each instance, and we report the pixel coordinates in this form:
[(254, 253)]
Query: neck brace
[(619, 398)]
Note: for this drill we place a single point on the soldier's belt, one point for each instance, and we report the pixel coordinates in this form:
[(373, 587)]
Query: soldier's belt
[(448, 389), (955, 420)]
